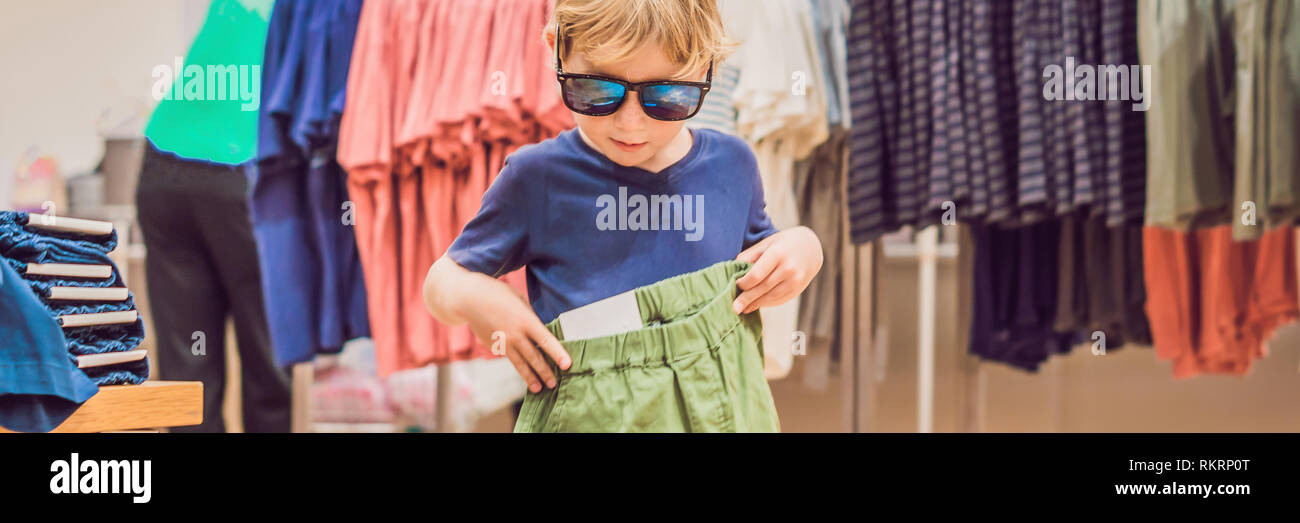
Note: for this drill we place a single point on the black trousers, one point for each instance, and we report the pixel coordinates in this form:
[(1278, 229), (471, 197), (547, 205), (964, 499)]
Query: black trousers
[(202, 268)]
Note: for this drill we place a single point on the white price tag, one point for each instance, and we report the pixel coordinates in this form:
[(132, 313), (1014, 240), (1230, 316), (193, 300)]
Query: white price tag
[(613, 315)]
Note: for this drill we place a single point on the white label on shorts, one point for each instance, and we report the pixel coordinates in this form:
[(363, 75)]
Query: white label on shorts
[(613, 315)]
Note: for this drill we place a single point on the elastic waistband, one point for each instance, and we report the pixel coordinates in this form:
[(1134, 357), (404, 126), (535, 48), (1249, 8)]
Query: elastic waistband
[(681, 315)]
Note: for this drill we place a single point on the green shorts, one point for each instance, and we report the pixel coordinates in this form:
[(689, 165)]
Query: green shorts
[(695, 366)]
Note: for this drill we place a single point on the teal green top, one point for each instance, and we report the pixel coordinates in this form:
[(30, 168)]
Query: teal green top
[(209, 110)]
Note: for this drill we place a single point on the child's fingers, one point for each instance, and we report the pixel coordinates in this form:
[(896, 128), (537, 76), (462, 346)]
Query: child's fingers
[(753, 294), (778, 295), (534, 358), (759, 272), (525, 372), (544, 339)]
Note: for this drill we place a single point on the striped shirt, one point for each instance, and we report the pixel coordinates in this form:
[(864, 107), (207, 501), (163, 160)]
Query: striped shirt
[(869, 217), (1125, 129), (718, 112), (946, 98)]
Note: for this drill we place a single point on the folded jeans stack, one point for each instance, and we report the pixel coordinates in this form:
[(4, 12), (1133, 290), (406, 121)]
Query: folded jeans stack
[(23, 245)]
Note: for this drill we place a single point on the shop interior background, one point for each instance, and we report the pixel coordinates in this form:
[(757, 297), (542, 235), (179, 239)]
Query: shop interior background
[(78, 72)]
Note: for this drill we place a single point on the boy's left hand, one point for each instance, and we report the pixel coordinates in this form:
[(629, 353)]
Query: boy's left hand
[(783, 265)]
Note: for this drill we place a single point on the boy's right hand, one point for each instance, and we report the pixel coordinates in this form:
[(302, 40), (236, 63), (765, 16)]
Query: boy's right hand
[(498, 315)]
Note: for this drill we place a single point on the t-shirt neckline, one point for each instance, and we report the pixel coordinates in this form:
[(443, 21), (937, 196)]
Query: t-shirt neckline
[(666, 175)]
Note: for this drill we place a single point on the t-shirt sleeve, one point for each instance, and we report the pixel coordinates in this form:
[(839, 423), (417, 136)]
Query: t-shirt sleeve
[(759, 225), (495, 241)]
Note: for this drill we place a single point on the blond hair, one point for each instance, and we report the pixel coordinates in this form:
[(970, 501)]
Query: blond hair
[(691, 32)]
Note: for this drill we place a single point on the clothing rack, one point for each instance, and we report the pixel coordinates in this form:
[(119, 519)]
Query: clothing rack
[(301, 378), (974, 377), (927, 252), (442, 402), (863, 343)]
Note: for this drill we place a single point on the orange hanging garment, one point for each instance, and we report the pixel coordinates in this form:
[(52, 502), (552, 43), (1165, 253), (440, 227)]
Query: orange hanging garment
[(1214, 303), (365, 152)]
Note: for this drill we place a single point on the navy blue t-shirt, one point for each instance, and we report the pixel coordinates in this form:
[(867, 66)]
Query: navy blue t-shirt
[(588, 228)]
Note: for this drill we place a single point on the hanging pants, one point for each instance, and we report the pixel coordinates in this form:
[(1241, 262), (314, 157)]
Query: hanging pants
[(202, 267), (695, 366), (312, 286)]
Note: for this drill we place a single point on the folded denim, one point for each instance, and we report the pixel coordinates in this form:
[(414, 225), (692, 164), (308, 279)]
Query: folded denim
[(19, 255), (61, 307), (48, 252), (39, 386), (127, 373), (83, 340), (42, 284), (21, 244), (14, 234), (101, 338), (104, 338)]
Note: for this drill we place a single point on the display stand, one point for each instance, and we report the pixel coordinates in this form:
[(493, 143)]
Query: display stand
[(303, 374), (149, 406)]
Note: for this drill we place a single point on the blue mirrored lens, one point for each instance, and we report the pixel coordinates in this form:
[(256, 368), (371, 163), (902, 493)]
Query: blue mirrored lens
[(593, 97), (670, 102)]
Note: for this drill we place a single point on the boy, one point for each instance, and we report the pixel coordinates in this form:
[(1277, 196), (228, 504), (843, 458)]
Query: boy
[(573, 210)]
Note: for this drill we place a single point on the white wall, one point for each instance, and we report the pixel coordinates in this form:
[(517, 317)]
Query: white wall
[(71, 67)]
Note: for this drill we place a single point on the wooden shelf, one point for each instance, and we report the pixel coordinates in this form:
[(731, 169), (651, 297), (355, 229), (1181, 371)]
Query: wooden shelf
[(149, 405)]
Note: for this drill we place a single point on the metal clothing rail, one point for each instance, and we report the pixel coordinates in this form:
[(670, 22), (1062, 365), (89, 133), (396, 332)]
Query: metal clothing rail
[(865, 341), (927, 242)]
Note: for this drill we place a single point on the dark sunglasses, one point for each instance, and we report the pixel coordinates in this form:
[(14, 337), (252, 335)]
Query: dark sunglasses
[(596, 95)]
